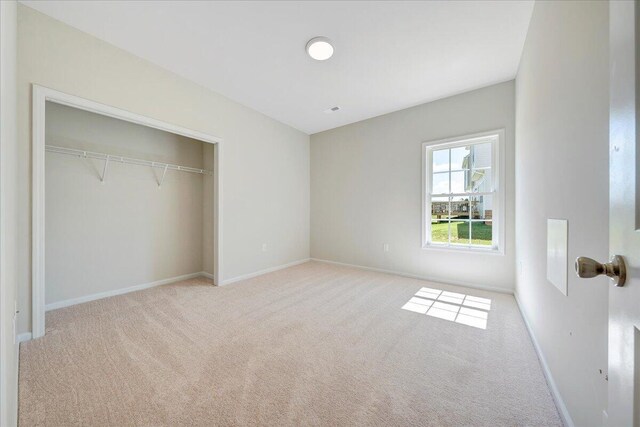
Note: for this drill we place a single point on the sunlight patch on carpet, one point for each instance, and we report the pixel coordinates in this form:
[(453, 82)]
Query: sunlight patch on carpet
[(452, 306)]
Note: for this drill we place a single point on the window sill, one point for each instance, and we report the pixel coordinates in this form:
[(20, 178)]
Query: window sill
[(463, 249)]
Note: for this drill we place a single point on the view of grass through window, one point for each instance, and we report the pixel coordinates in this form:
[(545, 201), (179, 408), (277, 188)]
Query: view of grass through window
[(482, 233)]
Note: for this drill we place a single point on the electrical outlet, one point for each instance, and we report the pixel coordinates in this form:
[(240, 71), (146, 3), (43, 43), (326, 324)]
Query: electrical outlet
[(385, 247), (264, 247)]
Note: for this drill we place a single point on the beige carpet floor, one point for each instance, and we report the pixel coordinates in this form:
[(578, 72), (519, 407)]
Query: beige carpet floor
[(314, 344)]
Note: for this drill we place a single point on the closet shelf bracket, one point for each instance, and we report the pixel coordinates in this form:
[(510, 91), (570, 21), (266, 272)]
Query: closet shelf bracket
[(105, 168), (164, 173)]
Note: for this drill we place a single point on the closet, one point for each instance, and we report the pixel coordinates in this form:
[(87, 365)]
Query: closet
[(127, 207)]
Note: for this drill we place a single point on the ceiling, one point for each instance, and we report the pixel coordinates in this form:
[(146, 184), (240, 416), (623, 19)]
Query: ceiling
[(388, 55)]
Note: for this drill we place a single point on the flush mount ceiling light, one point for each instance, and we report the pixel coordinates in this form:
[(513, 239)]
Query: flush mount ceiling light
[(320, 48)]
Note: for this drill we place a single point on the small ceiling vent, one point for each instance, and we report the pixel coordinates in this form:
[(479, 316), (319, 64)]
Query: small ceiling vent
[(332, 110)]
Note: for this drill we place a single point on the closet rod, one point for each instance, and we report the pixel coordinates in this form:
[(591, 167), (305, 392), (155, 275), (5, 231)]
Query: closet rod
[(121, 159)]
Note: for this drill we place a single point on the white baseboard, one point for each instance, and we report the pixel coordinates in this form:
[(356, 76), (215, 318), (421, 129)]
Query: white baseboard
[(207, 275), (67, 303), (23, 337), (100, 295), (415, 276), (265, 271), (555, 393)]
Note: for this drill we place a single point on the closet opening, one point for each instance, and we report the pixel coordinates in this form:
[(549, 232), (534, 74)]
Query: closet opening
[(121, 203)]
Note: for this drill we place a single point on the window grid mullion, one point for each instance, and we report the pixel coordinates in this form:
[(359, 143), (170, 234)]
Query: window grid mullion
[(495, 178), (485, 193), (449, 213)]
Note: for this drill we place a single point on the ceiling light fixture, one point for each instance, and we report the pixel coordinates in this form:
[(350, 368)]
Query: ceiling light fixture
[(320, 48)]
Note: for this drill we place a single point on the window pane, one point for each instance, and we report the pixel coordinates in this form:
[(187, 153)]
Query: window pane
[(440, 183), (458, 182), (441, 161), (480, 181), (460, 231), (440, 232), (481, 207), (439, 208), (481, 233), (460, 158), (481, 156), (440, 219), (460, 207)]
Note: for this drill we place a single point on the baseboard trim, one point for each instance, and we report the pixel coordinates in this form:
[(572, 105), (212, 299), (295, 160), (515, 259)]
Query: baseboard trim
[(23, 337), (100, 295), (265, 271), (207, 275), (555, 393), (87, 298), (415, 276)]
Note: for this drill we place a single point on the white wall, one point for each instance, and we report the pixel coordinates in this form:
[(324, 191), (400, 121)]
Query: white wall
[(8, 215), (366, 189), (126, 231), (265, 168), (562, 103)]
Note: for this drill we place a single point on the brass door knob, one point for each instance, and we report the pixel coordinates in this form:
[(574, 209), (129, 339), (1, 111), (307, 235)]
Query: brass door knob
[(614, 269)]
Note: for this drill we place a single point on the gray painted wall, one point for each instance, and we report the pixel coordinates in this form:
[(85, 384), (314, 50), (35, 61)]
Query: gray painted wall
[(126, 231), (366, 189), (562, 105)]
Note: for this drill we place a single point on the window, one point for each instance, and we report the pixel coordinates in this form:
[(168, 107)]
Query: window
[(463, 198)]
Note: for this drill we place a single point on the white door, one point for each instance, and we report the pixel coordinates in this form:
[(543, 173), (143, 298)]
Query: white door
[(624, 216)]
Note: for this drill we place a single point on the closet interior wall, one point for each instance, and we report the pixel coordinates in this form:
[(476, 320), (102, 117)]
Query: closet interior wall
[(125, 231)]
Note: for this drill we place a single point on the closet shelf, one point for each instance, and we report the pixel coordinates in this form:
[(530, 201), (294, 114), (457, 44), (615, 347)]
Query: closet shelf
[(111, 158)]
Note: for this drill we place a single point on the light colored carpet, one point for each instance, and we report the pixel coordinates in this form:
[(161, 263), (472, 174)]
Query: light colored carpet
[(314, 344)]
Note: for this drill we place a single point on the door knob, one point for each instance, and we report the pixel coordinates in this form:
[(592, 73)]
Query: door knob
[(615, 269)]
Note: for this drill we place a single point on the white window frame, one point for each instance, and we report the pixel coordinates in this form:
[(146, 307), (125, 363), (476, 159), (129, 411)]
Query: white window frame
[(497, 193)]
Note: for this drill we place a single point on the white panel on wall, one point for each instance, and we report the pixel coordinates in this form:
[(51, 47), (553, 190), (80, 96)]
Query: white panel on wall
[(557, 242)]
